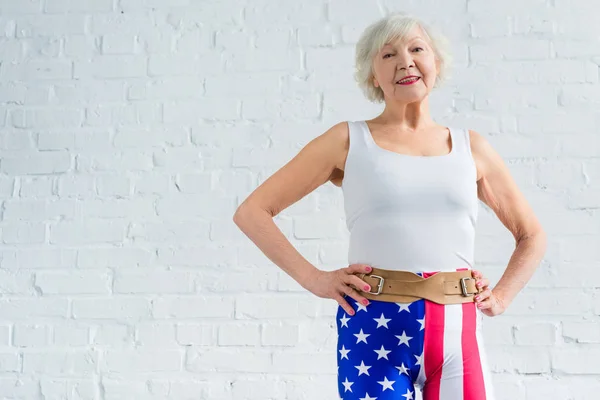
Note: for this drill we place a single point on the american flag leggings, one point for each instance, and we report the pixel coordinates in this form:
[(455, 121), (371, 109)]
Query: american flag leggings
[(386, 350)]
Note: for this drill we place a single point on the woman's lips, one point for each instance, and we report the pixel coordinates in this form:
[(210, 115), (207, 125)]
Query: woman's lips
[(409, 82)]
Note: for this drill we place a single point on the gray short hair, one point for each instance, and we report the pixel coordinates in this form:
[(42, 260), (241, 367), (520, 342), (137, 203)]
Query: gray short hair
[(390, 28)]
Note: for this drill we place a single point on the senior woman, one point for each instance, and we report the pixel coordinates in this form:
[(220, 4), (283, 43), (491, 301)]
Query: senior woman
[(411, 188)]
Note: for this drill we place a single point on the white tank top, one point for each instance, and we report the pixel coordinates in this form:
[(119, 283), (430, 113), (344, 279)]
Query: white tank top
[(412, 213)]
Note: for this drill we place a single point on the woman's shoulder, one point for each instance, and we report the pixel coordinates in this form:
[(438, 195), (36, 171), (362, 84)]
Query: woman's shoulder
[(478, 143), (483, 153), (338, 141)]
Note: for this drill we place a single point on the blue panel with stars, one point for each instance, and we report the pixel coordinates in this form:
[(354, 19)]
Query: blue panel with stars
[(380, 350)]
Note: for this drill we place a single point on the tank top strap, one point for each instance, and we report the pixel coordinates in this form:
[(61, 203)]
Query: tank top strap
[(461, 141), (358, 136)]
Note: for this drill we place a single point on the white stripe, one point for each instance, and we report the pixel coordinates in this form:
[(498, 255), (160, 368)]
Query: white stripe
[(452, 371), (422, 377), (487, 378)]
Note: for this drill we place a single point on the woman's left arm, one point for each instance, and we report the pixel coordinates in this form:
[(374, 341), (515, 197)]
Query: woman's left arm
[(497, 189)]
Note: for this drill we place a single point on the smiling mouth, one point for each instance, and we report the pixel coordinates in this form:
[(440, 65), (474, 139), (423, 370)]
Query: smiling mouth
[(408, 81)]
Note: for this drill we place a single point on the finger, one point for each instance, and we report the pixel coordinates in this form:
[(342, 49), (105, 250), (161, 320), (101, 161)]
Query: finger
[(358, 284), (345, 305), (355, 295), (485, 282), (488, 302), (485, 305), (359, 268), (482, 296), (477, 275), (482, 283)]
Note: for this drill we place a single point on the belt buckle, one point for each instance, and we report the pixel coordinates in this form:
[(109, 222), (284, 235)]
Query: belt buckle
[(463, 287), (379, 285)]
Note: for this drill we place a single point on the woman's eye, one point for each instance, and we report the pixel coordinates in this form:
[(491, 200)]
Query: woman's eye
[(416, 48)]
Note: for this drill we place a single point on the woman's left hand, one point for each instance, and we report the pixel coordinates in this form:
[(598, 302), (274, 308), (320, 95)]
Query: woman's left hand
[(487, 301)]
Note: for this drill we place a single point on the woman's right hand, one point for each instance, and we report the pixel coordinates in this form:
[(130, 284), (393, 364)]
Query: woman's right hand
[(335, 284)]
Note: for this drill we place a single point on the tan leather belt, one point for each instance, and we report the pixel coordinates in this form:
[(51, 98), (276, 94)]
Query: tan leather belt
[(452, 287)]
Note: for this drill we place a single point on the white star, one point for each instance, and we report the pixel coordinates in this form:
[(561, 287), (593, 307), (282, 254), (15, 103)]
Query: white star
[(419, 359), (347, 385), (362, 368), (344, 321), (386, 384), (382, 321), (382, 353), (422, 322), (403, 307), (361, 337), (360, 307), (403, 339), (344, 353), (408, 395), (368, 397), (403, 369)]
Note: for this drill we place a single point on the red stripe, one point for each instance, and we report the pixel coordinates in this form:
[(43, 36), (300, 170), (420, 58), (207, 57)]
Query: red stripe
[(434, 347), (473, 384)]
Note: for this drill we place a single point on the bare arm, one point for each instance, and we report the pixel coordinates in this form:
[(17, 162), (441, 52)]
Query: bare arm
[(497, 189), (313, 166)]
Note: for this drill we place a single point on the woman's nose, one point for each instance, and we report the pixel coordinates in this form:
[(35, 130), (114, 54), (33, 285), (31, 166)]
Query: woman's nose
[(405, 62), (405, 65)]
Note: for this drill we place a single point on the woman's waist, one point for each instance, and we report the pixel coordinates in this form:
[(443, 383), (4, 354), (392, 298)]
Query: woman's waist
[(423, 259)]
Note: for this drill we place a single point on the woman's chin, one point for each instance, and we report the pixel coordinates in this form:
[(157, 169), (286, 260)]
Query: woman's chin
[(410, 97)]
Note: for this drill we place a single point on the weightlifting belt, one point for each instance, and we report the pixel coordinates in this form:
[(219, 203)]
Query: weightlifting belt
[(451, 287)]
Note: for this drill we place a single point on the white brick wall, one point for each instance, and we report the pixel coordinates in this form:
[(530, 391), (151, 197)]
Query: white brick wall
[(131, 129)]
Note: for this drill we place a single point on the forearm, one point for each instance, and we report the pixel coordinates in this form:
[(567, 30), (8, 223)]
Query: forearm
[(525, 259), (259, 227)]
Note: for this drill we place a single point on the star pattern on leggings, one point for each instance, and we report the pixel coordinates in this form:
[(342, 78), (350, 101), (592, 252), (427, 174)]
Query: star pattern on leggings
[(374, 337)]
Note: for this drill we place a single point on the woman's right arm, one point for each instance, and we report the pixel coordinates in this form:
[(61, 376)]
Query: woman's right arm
[(313, 166)]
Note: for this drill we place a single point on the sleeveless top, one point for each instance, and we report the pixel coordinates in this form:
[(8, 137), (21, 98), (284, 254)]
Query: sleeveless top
[(406, 212)]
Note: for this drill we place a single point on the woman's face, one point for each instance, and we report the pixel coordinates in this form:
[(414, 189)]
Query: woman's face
[(411, 56)]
